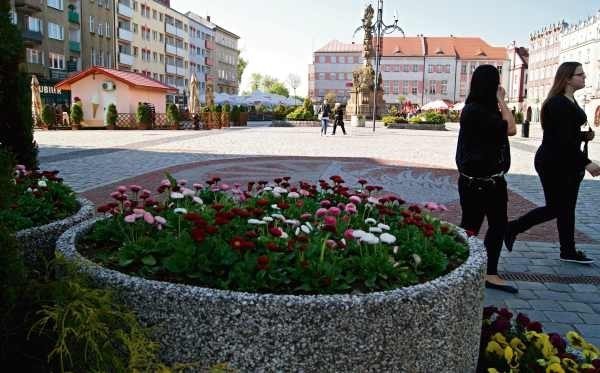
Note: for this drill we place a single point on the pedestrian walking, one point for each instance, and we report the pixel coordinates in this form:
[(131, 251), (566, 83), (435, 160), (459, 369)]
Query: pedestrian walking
[(482, 158), (323, 114), (560, 163), (338, 120)]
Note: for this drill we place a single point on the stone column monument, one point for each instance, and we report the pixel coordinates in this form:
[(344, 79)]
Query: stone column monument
[(363, 79)]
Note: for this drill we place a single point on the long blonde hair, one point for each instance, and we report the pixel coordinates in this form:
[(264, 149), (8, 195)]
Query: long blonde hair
[(565, 71)]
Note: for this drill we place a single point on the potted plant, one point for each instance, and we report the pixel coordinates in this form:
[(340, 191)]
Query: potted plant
[(76, 114), (301, 275), (173, 116), (144, 117), (111, 116), (226, 116), (48, 116), (243, 115)]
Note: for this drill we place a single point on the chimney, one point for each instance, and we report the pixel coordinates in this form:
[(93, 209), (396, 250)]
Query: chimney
[(208, 18)]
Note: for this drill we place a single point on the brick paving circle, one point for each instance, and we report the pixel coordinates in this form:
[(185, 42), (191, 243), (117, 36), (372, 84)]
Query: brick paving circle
[(412, 182)]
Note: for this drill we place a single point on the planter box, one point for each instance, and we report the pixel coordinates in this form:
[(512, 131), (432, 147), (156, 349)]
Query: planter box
[(144, 126), (418, 126), (38, 242), (431, 327), (295, 123)]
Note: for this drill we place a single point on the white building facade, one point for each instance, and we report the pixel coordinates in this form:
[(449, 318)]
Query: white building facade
[(202, 38), (516, 90)]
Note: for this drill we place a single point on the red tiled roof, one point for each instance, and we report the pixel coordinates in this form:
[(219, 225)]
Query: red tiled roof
[(131, 79), (402, 46), (338, 46), (476, 49), (440, 47)]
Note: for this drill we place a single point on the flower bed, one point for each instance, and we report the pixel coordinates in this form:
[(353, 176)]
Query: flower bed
[(519, 345), (295, 123), (261, 241), (418, 126), (42, 209)]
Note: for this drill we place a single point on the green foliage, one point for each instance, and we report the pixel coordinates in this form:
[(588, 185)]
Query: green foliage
[(330, 97), (76, 113), (241, 66), (214, 244), (7, 186), (111, 114), (143, 114), (393, 110), (391, 119), (235, 113), (279, 88), (307, 105), (38, 199), (173, 116), (519, 117), (243, 109), (48, 115), (280, 112), (453, 116), (430, 117), (218, 108), (226, 108), (16, 122)]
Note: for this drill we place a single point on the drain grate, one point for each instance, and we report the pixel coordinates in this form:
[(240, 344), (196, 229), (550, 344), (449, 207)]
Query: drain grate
[(542, 277)]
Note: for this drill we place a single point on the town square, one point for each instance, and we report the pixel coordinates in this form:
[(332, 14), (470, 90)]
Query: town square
[(189, 190)]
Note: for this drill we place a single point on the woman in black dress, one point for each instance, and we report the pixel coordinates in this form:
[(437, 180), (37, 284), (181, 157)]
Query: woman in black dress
[(560, 163), (482, 158)]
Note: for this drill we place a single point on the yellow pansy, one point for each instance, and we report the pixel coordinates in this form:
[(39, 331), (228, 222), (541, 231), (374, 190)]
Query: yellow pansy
[(493, 370), (516, 343), (554, 368), (498, 337), (570, 364), (587, 366), (590, 355), (591, 347), (494, 348), (531, 336), (575, 339)]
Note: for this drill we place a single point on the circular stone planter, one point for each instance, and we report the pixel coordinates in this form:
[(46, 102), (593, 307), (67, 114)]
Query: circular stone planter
[(38, 243), (431, 327)]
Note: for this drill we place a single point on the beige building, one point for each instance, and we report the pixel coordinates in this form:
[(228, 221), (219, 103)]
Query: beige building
[(97, 33), (226, 55), (177, 40)]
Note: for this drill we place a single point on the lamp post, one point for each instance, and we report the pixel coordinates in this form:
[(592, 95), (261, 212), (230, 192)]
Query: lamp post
[(379, 29)]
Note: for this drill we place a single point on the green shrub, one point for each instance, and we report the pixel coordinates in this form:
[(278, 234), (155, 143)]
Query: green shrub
[(308, 106), (48, 115), (7, 185), (173, 114), (454, 116), (111, 115), (243, 109), (393, 111), (143, 114), (519, 117), (218, 108), (226, 108), (76, 113), (235, 114), (389, 119)]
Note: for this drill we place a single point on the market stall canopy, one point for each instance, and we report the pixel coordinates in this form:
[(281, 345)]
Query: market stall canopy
[(437, 105), (458, 106)]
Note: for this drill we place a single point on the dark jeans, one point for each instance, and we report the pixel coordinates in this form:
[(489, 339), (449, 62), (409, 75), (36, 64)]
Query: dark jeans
[(479, 199), (560, 190), (339, 123)]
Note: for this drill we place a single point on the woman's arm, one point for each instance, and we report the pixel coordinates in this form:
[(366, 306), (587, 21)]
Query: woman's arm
[(511, 129)]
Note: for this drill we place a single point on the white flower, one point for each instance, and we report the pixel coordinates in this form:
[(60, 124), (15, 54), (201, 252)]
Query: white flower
[(395, 250), (284, 235), (417, 259), (276, 195), (370, 221), (278, 216), (305, 229), (42, 184), (358, 233), (309, 226), (176, 195), (387, 238), (198, 200), (180, 211), (370, 239), (267, 189), (385, 227), (268, 219), (373, 200), (279, 190), (293, 195), (297, 231), (29, 190), (275, 207), (187, 192), (293, 222), (375, 230), (256, 222), (343, 241)]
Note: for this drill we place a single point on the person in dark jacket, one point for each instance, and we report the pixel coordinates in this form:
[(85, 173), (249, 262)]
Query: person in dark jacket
[(338, 120), (560, 163), (482, 158), (324, 113)]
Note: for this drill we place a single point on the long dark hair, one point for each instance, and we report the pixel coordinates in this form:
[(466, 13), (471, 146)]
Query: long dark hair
[(561, 79), (484, 86)]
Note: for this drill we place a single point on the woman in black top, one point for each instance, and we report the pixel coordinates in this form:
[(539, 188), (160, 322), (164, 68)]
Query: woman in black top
[(338, 112), (560, 162), (482, 158)]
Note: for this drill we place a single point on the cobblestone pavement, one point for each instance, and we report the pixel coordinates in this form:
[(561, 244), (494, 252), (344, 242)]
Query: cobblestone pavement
[(563, 296)]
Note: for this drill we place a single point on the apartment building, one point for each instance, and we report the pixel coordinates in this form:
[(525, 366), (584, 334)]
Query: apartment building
[(516, 90), (227, 55), (202, 46), (421, 69), (96, 39)]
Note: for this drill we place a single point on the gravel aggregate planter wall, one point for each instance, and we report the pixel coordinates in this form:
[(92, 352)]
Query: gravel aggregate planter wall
[(295, 123), (431, 327), (418, 126), (38, 242)]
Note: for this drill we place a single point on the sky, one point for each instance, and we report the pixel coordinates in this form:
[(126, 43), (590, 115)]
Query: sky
[(278, 37)]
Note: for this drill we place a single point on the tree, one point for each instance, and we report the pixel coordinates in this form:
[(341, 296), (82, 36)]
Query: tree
[(16, 122), (172, 114), (255, 81), (279, 89), (111, 115), (267, 82), (330, 97), (48, 115), (76, 112), (294, 81), (241, 66)]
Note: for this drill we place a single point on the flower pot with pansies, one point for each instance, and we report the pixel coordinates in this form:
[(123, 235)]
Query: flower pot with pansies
[(282, 276), (42, 208)]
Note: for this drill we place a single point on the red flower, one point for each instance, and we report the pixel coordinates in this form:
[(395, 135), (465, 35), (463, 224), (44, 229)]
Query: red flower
[(271, 246), (262, 202), (251, 234), (192, 216), (198, 234), (470, 233), (237, 243), (275, 231), (299, 203), (444, 229), (362, 181), (503, 312), (283, 205), (221, 220), (217, 206), (278, 180), (523, 320), (262, 262), (211, 229), (536, 326), (415, 208)]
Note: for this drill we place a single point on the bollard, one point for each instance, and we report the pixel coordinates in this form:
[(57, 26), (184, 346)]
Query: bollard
[(525, 129)]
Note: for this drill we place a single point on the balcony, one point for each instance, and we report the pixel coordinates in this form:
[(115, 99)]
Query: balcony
[(125, 59), (32, 37), (209, 44), (171, 49), (74, 46), (73, 17), (125, 10), (175, 31), (58, 74), (171, 69), (28, 6), (125, 34)]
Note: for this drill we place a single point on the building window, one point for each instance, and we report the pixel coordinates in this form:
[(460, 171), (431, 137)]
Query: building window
[(135, 51), (34, 56), (432, 84), (34, 24), (321, 59), (135, 28), (406, 68), (56, 61), (100, 29), (92, 26), (56, 4), (430, 70), (56, 31), (405, 88), (415, 68), (135, 5), (321, 76), (463, 68), (499, 69), (444, 87), (414, 89), (107, 26)]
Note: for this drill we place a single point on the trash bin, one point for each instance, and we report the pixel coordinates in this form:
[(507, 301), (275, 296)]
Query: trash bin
[(525, 129)]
